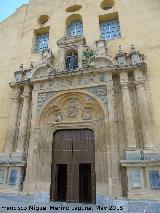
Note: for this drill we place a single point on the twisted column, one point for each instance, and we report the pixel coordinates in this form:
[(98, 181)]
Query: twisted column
[(128, 115), (144, 114), (24, 120), (13, 118)]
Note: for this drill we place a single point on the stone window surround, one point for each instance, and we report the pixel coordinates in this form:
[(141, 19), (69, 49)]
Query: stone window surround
[(148, 181), (36, 33), (144, 166), (8, 169)]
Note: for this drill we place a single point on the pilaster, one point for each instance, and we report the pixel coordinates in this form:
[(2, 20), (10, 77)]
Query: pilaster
[(13, 118)]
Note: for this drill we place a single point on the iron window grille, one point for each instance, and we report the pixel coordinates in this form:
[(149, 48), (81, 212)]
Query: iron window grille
[(42, 42), (75, 29), (110, 30)]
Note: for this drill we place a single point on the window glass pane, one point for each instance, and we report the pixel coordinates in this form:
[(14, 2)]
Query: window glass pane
[(154, 179), (13, 177), (42, 42), (136, 179), (2, 175), (75, 29), (110, 29)]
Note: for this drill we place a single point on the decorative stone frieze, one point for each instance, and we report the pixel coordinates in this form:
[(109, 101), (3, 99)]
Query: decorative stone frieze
[(43, 97), (100, 91)]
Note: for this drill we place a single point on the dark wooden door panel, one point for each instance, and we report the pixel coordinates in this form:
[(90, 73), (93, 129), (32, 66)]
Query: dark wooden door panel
[(74, 147)]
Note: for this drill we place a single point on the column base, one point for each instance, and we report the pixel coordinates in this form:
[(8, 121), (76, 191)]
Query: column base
[(115, 188)]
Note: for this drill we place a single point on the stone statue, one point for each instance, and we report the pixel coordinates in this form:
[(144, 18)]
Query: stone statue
[(101, 48), (101, 57), (47, 56), (72, 62), (58, 117), (86, 114)]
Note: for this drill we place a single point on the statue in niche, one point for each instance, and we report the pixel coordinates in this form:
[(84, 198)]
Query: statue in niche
[(86, 114), (72, 61)]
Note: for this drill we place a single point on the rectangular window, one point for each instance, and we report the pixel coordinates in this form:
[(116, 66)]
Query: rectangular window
[(110, 29), (42, 41), (136, 179), (154, 179)]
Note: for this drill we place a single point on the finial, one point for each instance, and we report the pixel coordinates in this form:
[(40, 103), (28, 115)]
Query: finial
[(133, 48), (120, 49)]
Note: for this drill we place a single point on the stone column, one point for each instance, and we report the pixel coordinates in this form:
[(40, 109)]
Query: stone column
[(128, 115), (144, 114), (114, 180), (13, 118), (24, 120)]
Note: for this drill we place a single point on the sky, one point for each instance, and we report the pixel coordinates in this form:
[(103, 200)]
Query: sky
[(8, 7)]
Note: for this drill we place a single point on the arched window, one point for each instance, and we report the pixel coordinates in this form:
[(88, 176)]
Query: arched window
[(75, 29), (110, 29)]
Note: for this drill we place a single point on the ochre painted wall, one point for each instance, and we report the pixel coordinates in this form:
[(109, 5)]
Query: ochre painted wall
[(139, 22)]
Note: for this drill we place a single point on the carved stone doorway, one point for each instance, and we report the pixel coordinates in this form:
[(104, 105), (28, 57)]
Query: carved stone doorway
[(73, 166)]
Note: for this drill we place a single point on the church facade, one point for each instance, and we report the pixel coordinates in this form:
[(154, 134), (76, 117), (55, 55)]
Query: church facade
[(79, 100)]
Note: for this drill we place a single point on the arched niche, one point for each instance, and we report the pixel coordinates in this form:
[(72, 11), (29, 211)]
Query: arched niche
[(71, 57)]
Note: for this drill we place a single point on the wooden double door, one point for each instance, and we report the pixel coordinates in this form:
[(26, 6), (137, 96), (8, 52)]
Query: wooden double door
[(73, 166)]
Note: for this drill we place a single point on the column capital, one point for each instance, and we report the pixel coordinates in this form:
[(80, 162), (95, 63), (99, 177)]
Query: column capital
[(16, 93), (26, 92)]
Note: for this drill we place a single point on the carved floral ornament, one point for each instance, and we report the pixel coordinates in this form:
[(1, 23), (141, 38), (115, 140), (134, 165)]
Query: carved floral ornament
[(74, 106)]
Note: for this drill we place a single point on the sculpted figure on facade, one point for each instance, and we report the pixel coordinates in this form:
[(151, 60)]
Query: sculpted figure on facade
[(72, 109), (86, 114), (47, 56), (58, 116), (101, 57), (101, 48)]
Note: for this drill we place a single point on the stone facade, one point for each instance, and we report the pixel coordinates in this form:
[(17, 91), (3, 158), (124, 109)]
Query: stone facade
[(108, 92)]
